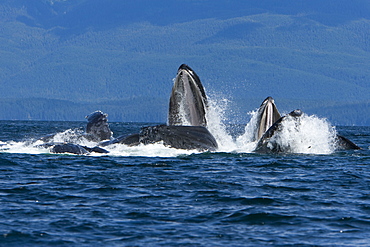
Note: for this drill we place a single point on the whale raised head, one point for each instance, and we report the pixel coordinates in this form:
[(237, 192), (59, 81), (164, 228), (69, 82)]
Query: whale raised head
[(188, 101)]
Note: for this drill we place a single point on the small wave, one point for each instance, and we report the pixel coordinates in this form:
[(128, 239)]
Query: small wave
[(259, 218), (248, 201)]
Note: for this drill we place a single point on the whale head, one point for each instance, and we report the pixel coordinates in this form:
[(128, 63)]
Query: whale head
[(267, 115), (188, 101), (97, 126)]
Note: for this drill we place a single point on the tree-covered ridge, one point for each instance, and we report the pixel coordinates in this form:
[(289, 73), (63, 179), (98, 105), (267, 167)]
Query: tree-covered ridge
[(312, 56), (59, 110), (136, 110)]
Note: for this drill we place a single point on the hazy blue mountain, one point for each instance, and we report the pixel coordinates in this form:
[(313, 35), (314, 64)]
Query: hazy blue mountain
[(62, 59)]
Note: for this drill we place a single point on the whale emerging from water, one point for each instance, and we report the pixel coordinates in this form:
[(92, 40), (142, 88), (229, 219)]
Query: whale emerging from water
[(187, 122), (267, 144), (97, 128), (188, 101), (267, 115)]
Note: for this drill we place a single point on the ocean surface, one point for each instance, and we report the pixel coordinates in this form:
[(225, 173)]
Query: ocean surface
[(158, 196)]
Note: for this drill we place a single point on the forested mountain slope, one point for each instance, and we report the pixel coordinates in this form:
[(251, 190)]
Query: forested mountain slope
[(121, 56)]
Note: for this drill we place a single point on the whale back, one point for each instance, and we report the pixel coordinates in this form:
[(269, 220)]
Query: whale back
[(188, 101), (267, 115), (180, 137), (345, 144)]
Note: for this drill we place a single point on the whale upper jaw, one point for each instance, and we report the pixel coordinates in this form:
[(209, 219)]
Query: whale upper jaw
[(188, 101)]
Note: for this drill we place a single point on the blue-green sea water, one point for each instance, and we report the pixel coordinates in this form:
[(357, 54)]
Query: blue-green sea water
[(153, 196)]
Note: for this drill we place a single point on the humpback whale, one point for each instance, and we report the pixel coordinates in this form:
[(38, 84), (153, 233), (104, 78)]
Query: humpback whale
[(267, 145), (97, 128), (75, 149), (188, 101), (344, 143), (264, 144), (187, 123), (175, 136), (267, 115)]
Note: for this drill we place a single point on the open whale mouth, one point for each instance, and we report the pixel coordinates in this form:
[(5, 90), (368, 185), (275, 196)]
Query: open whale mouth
[(268, 114), (188, 101)]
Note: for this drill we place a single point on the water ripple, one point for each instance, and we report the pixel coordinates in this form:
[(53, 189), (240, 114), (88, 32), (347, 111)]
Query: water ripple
[(211, 199)]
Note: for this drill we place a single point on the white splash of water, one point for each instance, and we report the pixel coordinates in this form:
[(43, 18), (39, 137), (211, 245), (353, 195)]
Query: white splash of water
[(150, 150), (305, 134), (249, 130), (216, 124), (75, 136), (39, 146), (246, 143), (22, 147)]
